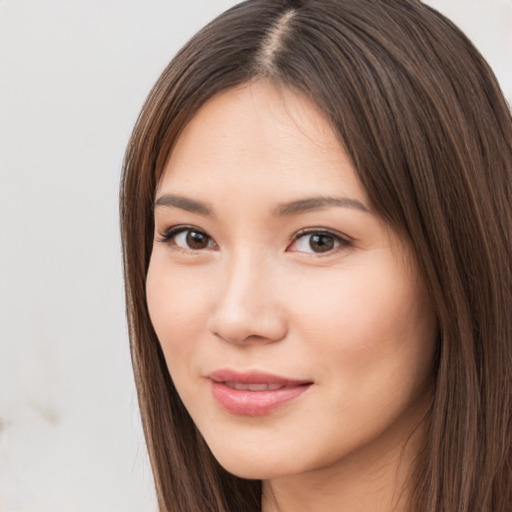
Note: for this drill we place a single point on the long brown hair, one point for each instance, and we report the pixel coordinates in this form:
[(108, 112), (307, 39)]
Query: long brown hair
[(430, 136)]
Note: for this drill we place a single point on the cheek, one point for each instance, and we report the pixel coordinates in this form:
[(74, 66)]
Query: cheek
[(178, 304), (373, 317)]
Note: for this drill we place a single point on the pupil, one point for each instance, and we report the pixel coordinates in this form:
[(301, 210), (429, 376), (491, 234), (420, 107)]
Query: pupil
[(196, 240), (321, 243)]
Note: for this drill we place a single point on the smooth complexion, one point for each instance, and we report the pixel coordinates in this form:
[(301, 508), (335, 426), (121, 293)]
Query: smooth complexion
[(268, 259)]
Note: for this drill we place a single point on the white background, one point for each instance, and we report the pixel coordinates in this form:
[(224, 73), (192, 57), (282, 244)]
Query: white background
[(73, 76)]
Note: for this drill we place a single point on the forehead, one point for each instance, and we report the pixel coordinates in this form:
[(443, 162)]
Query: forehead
[(262, 137)]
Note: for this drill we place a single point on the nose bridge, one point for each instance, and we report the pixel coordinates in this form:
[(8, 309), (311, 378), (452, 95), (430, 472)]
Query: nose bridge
[(247, 308)]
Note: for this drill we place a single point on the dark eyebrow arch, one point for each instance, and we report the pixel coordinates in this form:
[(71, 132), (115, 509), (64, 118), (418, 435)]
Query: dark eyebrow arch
[(317, 203), (286, 209), (184, 203)]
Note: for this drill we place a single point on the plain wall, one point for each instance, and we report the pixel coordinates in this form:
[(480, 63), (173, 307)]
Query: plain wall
[(73, 76)]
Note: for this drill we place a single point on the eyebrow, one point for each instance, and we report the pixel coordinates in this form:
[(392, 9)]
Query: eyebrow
[(285, 209), (317, 203), (184, 203)]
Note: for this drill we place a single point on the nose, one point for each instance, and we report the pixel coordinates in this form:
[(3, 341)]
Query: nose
[(248, 309)]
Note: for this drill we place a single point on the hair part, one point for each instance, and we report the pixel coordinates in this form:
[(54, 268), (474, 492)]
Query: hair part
[(264, 59), (422, 117)]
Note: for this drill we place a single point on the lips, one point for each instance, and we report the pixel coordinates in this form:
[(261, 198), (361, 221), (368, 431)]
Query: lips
[(254, 393), (253, 387)]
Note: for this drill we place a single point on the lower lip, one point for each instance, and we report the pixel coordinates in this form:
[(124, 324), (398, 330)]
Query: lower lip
[(254, 403)]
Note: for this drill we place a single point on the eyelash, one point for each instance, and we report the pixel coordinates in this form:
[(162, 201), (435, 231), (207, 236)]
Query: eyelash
[(168, 236), (342, 241)]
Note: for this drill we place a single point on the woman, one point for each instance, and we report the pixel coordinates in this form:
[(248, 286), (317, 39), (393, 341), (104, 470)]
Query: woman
[(316, 220)]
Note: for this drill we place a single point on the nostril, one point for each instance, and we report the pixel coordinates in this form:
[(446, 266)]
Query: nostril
[(253, 331), (242, 337)]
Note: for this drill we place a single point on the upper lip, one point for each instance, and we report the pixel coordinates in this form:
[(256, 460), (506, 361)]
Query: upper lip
[(254, 377)]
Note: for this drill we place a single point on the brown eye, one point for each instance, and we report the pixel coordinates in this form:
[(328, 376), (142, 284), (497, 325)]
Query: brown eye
[(191, 239), (196, 239), (321, 242)]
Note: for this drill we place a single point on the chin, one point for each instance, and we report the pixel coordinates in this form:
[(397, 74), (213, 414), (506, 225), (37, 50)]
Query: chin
[(249, 469), (254, 466)]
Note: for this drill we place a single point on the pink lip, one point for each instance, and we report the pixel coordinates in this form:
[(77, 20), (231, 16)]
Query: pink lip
[(247, 402)]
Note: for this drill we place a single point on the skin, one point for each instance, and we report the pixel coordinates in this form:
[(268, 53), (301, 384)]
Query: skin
[(355, 320)]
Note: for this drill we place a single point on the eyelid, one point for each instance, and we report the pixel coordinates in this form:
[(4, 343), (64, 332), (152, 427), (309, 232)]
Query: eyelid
[(345, 242), (169, 233)]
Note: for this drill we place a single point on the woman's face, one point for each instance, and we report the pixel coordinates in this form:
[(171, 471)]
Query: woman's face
[(293, 321)]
